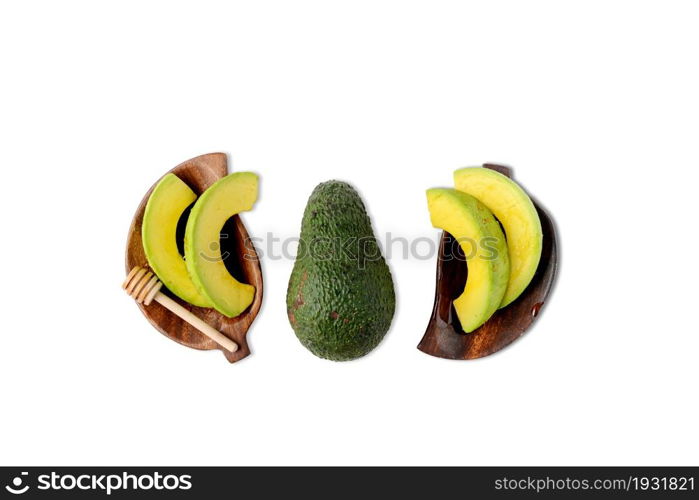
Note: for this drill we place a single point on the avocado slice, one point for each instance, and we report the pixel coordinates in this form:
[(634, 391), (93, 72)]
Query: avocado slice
[(483, 244), (166, 204), (340, 299), (519, 219), (229, 196)]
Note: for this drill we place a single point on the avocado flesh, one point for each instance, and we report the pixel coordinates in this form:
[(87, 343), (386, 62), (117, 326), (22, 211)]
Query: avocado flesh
[(518, 216), (484, 246), (169, 199), (340, 300), (229, 196)]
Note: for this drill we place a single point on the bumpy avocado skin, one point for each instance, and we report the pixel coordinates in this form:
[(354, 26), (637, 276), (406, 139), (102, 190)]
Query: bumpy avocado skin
[(340, 299)]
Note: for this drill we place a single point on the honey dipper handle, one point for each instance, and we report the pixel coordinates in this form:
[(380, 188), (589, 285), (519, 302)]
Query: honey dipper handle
[(196, 322)]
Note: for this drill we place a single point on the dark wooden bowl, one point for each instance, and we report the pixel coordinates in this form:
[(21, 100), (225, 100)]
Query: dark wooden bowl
[(444, 337), (199, 173)]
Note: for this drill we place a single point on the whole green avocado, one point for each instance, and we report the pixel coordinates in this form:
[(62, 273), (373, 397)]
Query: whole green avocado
[(340, 299)]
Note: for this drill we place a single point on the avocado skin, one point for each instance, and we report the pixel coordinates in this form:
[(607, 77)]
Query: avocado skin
[(340, 302)]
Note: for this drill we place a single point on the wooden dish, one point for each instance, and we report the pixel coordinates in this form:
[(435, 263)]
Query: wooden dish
[(444, 337), (242, 262)]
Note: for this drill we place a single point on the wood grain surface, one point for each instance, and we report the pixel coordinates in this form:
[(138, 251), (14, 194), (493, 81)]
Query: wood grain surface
[(242, 261), (444, 337)]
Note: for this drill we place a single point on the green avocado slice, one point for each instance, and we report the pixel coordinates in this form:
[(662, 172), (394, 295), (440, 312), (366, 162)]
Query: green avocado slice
[(229, 196), (169, 199), (483, 243), (517, 214)]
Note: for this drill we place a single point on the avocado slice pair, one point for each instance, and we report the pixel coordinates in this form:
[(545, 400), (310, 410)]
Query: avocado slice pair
[(500, 264), (200, 277)]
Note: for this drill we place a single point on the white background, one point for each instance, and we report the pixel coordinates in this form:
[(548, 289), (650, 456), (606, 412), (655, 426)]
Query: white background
[(595, 105)]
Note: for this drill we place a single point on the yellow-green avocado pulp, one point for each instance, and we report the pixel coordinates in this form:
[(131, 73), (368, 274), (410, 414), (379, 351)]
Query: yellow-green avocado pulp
[(483, 244), (169, 199), (517, 214), (229, 196)]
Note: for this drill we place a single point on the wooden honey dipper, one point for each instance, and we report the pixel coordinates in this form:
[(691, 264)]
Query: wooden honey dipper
[(144, 286)]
